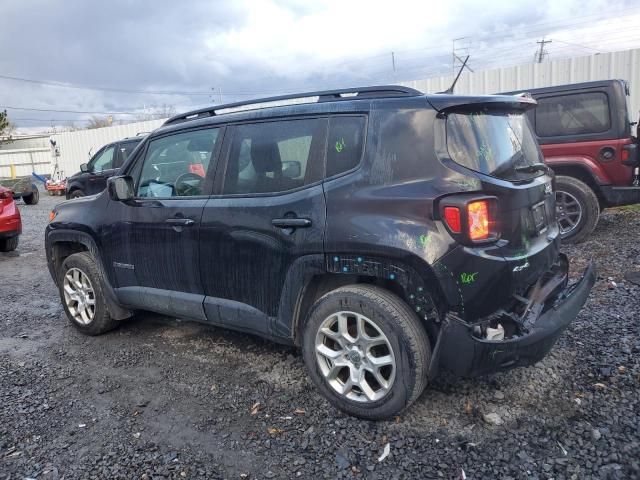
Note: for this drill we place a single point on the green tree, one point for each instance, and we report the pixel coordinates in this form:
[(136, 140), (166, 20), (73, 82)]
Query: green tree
[(6, 127)]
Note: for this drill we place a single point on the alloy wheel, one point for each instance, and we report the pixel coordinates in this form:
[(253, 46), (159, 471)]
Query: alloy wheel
[(568, 212), (355, 357), (79, 296)]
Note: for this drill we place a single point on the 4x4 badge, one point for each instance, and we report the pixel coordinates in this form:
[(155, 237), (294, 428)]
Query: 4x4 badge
[(519, 268)]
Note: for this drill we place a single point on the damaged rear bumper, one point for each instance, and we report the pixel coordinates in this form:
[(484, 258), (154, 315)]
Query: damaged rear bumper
[(460, 350)]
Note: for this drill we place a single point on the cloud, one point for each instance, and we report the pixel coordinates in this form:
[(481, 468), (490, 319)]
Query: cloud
[(250, 48)]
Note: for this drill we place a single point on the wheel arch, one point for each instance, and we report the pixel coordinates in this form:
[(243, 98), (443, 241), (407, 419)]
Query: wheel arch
[(411, 280), (583, 174), (61, 244)]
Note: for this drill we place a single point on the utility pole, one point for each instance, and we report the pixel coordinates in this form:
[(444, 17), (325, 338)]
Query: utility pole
[(542, 52)]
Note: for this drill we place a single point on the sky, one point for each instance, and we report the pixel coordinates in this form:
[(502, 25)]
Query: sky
[(127, 59)]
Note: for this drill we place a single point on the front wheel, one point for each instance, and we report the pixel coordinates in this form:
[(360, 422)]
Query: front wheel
[(80, 287), (366, 351), (577, 209)]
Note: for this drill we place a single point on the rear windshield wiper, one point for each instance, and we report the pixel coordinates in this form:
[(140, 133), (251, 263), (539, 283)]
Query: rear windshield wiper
[(534, 167)]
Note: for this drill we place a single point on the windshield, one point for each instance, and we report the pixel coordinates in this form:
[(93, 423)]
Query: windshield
[(494, 142)]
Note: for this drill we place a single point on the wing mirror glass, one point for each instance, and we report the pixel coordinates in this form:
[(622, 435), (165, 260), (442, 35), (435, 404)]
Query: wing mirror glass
[(84, 168), (291, 169), (120, 188)]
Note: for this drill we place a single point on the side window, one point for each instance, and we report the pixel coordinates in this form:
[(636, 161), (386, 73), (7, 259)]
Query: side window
[(273, 157), (575, 114), (176, 165), (125, 151), (104, 161), (344, 146)]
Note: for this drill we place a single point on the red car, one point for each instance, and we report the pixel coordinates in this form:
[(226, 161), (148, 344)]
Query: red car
[(586, 138), (10, 221)]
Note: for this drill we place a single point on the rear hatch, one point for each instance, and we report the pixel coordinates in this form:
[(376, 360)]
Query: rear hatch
[(490, 138)]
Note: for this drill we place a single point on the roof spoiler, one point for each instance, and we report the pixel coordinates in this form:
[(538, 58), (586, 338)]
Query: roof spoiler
[(442, 103)]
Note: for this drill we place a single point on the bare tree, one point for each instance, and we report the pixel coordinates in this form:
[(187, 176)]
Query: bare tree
[(99, 122), (156, 113)]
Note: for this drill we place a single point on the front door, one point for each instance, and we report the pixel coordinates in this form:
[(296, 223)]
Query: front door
[(269, 213), (100, 168), (156, 261)]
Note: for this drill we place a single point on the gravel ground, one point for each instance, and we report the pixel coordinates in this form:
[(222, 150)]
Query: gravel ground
[(162, 398)]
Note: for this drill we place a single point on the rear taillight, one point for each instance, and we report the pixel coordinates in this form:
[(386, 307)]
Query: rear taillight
[(471, 219), (478, 215), (6, 196)]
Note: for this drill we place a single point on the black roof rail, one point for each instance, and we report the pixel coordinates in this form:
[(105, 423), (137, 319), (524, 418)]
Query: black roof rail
[(380, 91)]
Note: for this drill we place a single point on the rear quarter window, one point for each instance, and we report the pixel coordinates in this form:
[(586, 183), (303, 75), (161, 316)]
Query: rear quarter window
[(345, 143), (573, 114)]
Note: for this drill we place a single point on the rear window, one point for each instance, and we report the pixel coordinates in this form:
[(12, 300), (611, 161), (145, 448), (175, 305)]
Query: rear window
[(575, 114), (495, 143)]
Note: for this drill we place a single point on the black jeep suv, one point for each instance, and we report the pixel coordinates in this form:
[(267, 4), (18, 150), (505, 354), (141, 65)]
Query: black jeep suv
[(388, 233), (92, 177)]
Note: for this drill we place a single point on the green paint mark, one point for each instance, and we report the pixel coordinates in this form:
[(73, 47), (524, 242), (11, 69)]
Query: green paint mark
[(424, 239), (467, 278), (340, 144)]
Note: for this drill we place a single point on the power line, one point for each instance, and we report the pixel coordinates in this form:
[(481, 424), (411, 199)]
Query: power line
[(105, 89), (67, 111)]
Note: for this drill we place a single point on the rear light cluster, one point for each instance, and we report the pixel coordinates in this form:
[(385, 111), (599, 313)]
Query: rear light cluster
[(471, 218), (6, 196)]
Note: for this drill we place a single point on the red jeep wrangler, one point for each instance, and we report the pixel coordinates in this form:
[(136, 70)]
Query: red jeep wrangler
[(585, 135)]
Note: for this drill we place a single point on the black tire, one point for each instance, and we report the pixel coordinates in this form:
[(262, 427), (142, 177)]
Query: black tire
[(77, 194), (408, 339), (9, 244), (101, 321), (567, 187), (32, 199)]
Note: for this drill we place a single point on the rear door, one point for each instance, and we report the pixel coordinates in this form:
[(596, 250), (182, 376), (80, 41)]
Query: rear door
[(267, 219), (154, 241), (124, 150)]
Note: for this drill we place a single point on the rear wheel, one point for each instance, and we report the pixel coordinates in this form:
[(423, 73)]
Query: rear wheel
[(9, 244), (577, 209), (80, 287), (77, 194), (366, 351), (33, 198)]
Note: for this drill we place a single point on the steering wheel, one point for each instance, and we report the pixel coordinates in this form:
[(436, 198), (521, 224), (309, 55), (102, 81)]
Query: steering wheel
[(185, 189)]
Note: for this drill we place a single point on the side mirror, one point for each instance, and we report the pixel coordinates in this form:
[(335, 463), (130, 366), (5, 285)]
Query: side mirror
[(84, 168), (120, 188), (291, 169)]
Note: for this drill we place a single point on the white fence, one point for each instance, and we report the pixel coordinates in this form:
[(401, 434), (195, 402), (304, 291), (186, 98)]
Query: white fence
[(25, 161), (602, 66), (75, 148)]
